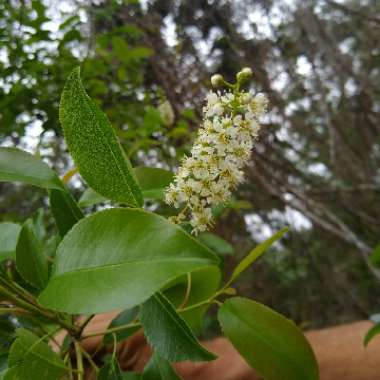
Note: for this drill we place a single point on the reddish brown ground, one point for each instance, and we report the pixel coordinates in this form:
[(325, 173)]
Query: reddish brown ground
[(339, 351)]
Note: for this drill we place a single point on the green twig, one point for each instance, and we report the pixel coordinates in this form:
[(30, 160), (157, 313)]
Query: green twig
[(85, 323), (89, 359), (34, 308), (78, 352), (111, 330)]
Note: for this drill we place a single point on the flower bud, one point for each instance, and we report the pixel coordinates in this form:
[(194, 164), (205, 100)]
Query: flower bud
[(244, 74), (217, 80)]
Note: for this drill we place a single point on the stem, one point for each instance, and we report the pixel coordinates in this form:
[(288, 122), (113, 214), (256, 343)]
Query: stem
[(85, 323), (34, 308), (13, 310), (89, 359), (111, 330), (69, 174), (196, 305), (114, 346), (78, 352), (187, 294), (20, 291), (137, 324), (68, 360)]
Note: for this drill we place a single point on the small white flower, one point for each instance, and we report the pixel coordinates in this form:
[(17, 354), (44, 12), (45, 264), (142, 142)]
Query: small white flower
[(217, 80), (212, 98), (217, 109), (244, 74), (222, 148), (259, 104), (246, 97)]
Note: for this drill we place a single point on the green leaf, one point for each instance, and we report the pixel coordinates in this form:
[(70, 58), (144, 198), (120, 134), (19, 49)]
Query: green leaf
[(9, 233), (216, 243), (120, 47), (204, 283), (269, 342), (372, 332), (140, 52), (30, 261), (65, 210), (94, 146), (19, 166), (159, 369), (168, 333), (124, 318), (153, 180), (32, 359), (255, 254), (110, 371), (375, 255), (90, 197), (118, 258)]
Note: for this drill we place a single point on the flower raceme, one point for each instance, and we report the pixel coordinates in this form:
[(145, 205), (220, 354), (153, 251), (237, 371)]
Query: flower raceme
[(221, 149)]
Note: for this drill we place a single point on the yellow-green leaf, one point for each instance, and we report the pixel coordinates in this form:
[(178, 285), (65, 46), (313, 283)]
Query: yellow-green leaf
[(255, 254)]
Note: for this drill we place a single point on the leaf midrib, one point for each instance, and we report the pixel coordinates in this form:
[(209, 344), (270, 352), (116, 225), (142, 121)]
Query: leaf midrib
[(173, 317), (37, 354), (146, 261), (123, 175)]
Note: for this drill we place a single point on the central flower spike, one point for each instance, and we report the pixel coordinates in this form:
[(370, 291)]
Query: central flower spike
[(221, 149)]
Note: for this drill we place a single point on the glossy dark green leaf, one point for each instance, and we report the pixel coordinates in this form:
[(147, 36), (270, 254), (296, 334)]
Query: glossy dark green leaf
[(118, 258), (32, 359), (9, 233), (269, 342), (159, 369), (168, 333), (372, 332), (204, 283), (65, 210), (19, 166), (30, 261), (124, 318), (110, 371), (94, 146), (216, 243), (256, 253)]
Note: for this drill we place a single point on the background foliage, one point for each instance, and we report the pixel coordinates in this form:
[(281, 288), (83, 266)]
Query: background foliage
[(316, 163)]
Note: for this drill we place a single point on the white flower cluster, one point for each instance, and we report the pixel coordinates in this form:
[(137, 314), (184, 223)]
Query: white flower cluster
[(221, 149)]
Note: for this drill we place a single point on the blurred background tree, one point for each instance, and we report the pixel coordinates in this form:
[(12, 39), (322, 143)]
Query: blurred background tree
[(148, 63)]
